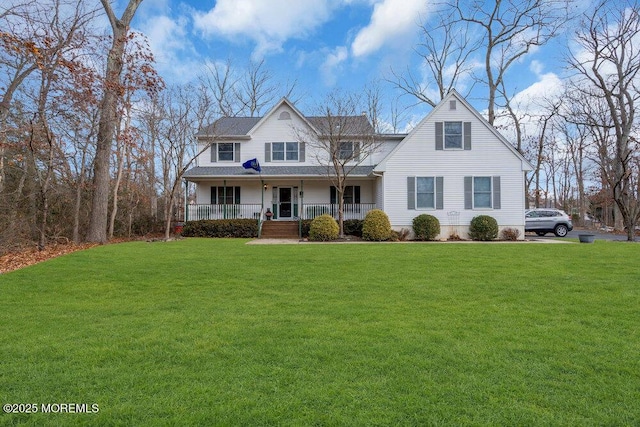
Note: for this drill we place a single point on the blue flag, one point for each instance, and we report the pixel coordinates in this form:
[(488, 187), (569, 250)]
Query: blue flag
[(252, 164)]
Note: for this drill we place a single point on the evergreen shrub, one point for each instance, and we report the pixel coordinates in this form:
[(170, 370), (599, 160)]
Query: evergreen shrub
[(323, 228), (483, 227), (376, 226), (246, 228), (426, 227)]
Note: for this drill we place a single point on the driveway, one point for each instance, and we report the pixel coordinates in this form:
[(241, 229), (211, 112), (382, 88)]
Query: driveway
[(599, 235)]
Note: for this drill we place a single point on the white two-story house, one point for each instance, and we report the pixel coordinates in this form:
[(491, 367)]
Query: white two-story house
[(452, 165)]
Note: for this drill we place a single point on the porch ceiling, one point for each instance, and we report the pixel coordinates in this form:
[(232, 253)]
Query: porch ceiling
[(200, 172)]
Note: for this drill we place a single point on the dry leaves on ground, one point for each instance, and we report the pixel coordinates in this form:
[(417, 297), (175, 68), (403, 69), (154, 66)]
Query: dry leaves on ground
[(16, 260)]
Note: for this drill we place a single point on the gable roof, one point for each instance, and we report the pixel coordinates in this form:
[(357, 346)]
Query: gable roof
[(245, 126), (453, 93), (355, 125), (229, 126)]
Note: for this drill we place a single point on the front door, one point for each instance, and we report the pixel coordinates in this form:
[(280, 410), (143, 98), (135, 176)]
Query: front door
[(285, 202)]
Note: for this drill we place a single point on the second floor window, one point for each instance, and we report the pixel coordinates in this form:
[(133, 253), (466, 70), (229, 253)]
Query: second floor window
[(453, 135), (284, 151), (225, 152), (348, 150)]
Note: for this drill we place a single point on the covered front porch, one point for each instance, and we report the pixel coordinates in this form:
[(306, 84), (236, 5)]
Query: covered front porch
[(282, 199)]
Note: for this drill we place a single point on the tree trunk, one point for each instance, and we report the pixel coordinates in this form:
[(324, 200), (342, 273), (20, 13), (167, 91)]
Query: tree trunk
[(106, 127)]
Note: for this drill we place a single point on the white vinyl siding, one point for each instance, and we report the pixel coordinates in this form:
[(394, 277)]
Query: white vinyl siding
[(418, 155)]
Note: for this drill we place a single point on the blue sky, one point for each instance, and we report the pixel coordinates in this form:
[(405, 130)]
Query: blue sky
[(323, 44)]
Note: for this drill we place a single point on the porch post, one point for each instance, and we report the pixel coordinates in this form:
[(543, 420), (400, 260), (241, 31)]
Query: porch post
[(186, 206), (224, 199), (300, 209), (262, 193)]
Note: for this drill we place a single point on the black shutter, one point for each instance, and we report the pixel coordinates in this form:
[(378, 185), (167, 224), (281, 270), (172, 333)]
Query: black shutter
[(356, 194), (439, 192), (236, 195), (333, 195), (468, 192), (411, 192), (439, 136), (467, 135)]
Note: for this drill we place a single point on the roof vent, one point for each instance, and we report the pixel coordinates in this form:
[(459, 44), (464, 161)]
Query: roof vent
[(284, 116), (452, 105)]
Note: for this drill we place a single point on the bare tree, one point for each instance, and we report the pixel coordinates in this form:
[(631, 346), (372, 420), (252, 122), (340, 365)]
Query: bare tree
[(342, 139), (509, 29), (219, 83), (186, 111), (97, 231), (445, 51), (255, 89), (608, 67)]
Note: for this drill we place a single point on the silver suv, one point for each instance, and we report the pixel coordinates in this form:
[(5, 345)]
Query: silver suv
[(547, 220)]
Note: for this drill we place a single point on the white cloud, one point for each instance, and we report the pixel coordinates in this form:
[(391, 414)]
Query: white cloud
[(332, 63), (175, 55), (391, 20), (269, 23), (536, 67), (549, 87)]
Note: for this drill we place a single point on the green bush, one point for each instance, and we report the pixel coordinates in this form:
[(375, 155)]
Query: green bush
[(353, 227), (221, 228), (483, 227), (376, 226), (426, 227), (324, 228)]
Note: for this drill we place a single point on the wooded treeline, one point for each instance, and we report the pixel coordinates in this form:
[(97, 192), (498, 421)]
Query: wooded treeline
[(93, 142)]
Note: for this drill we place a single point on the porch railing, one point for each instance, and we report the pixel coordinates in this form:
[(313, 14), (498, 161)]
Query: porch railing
[(351, 210), (254, 211), (235, 211)]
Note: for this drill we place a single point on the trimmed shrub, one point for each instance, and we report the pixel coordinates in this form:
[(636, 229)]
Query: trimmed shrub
[(426, 227), (510, 234), (483, 227), (376, 226), (324, 228), (353, 227), (246, 228)]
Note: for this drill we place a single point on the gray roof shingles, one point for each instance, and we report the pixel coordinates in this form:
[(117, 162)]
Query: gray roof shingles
[(239, 126)]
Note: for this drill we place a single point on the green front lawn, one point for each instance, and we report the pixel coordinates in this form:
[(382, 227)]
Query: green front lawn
[(217, 332)]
